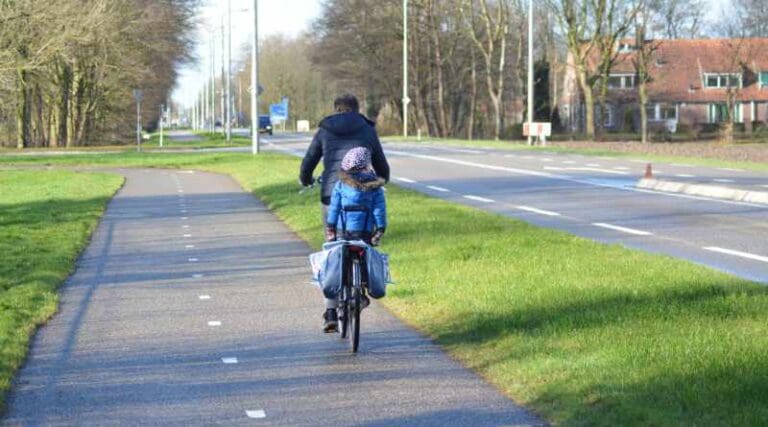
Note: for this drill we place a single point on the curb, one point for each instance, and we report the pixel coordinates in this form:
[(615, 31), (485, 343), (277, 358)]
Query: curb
[(713, 191)]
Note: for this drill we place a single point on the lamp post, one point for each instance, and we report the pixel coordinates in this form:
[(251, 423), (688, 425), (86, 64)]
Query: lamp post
[(228, 83), (162, 114), (255, 80), (530, 71), (406, 100)]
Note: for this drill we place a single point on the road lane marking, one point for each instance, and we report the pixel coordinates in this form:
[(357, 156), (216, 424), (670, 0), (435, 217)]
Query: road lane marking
[(737, 253), (204, 297), (621, 168), (192, 259), (184, 218), (682, 165), (622, 229), (229, 360), (730, 169), (546, 159), (406, 180), (569, 162), (256, 414), (538, 211), (180, 191), (723, 180), (214, 323), (197, 276), (593, 165), (591, 169), (529, 172), (478, 199), (187, 235), (554, 168), (190, 246), (440, 189), (685, 175)]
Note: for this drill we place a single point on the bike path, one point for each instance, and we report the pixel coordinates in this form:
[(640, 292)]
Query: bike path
[(192, 306)]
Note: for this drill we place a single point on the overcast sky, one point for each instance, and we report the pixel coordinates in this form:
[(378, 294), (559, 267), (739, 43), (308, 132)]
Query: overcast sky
[(289, 17)]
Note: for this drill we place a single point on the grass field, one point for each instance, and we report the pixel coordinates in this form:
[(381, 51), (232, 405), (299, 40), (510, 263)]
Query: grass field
[(580, 332), (521, 146), (46, 218)]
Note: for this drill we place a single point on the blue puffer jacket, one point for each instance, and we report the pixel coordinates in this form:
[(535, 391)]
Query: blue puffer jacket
[(358, 189)]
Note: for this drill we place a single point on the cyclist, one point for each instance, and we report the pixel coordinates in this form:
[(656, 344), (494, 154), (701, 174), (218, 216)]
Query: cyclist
[(337, 134), (361, 188)]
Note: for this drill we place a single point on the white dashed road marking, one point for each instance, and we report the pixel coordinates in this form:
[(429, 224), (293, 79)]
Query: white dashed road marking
[(593, 165), (685, 175), (187, 235), (723, 180), (730, 169), (190, 246), (622, 229), (479, 199), (193, 260), (197, 276), (737, 253), (538, 211), (406, 180), (204, 297), (214, 323), (440, 189), (256, 414), (229, 360), (569, 162)]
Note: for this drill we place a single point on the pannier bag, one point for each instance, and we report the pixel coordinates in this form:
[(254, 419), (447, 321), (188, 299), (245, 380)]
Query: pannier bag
[(327, 269)]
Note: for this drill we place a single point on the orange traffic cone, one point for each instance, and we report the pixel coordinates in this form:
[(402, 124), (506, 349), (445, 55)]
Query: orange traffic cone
[(648, 172)]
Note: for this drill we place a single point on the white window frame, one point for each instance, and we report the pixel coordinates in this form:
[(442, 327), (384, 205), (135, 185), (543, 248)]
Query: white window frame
[(623, 81), (760, 78), (719, 81), (738, 112), (657, 111)]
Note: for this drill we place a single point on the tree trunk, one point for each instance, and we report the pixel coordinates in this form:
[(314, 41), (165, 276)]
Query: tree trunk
[(22, 110), (589, 104)]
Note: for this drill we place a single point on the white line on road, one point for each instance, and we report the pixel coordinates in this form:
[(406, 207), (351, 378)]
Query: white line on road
[(187, 235), (538, 211), (192, 259), (554, 168), (593, 165), (730, 169), (621, 168), (737, 253), (406, 180), (546, 159), (180, 191), (256, 414), (229, 360), (591, 169), (682, 165), (723, 180), (440, 189), (190, 246), (184, 218), (622, 229), (204, 297), (569, 162), (214, 323), (197, 276), (685, 175), (479, 199)]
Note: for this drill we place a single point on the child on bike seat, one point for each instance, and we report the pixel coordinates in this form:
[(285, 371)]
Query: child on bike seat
[(358, 211), (358, 208)]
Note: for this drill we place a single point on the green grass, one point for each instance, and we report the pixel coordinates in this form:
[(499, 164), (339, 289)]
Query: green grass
[(521, 146), (46, 218), (580, 332)]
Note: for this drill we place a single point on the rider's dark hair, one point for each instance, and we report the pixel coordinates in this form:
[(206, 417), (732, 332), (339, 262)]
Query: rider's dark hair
[(346, 103)]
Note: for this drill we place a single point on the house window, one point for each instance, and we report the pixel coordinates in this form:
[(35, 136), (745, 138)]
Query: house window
[(720, 81), (718, 113), (661, 112), (608, 116), (621, 81), (764, 79)]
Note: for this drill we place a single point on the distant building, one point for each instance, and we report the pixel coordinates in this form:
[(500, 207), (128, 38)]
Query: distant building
[(690, 82)]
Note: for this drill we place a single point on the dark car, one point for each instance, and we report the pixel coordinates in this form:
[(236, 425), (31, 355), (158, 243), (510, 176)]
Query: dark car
[(265, 125)]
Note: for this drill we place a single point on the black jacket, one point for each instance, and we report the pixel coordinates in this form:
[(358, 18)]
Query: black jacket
[(336, 135)]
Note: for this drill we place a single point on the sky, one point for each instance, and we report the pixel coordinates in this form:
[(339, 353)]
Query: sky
[(289, 17)]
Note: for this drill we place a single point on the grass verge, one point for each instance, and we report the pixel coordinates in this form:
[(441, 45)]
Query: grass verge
[(46, 218), (521, 146), (581, 332)]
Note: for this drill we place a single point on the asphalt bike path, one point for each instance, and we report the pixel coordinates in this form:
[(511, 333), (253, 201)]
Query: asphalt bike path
[(192, 305), (593, 197)]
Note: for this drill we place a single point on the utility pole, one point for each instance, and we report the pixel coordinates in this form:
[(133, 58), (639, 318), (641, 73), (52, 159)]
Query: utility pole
[(138, 95), (223, 73), (530, 71), (255, 80), (406, 100), (162, 114), (228, 89)]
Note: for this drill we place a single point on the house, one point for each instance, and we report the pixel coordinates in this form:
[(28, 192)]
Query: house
[(691, 82)]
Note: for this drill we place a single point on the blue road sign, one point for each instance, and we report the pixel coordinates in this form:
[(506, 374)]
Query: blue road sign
[(278, 112)]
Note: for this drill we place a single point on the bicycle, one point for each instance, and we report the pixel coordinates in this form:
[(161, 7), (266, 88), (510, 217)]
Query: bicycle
[(352, 293)]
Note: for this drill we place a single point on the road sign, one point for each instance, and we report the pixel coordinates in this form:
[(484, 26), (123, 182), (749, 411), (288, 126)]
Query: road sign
[(138, 95), (539, 129), (278, 112)]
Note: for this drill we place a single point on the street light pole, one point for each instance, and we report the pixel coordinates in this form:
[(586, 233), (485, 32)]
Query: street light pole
[(406, 100), (162, 114), (228, 95), (530, 71), (255, 80)]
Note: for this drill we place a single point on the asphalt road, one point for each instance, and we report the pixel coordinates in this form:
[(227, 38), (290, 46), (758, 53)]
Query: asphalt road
[(593, 197), (192, 307)]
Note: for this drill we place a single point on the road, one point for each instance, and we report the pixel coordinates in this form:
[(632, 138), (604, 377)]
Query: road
[(192, 306), (593, 197)]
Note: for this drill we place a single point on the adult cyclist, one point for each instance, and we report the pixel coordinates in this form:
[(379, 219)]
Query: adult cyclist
[(337, 134)]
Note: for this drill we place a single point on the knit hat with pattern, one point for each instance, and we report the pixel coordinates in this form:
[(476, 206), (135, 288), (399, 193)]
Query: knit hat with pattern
[(357, 158)]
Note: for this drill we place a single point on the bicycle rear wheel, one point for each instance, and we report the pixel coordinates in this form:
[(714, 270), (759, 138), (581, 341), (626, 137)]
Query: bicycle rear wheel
[(356, 306), (343, 312)]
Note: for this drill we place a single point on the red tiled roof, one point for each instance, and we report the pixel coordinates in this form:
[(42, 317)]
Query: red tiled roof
[(678, 67)]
